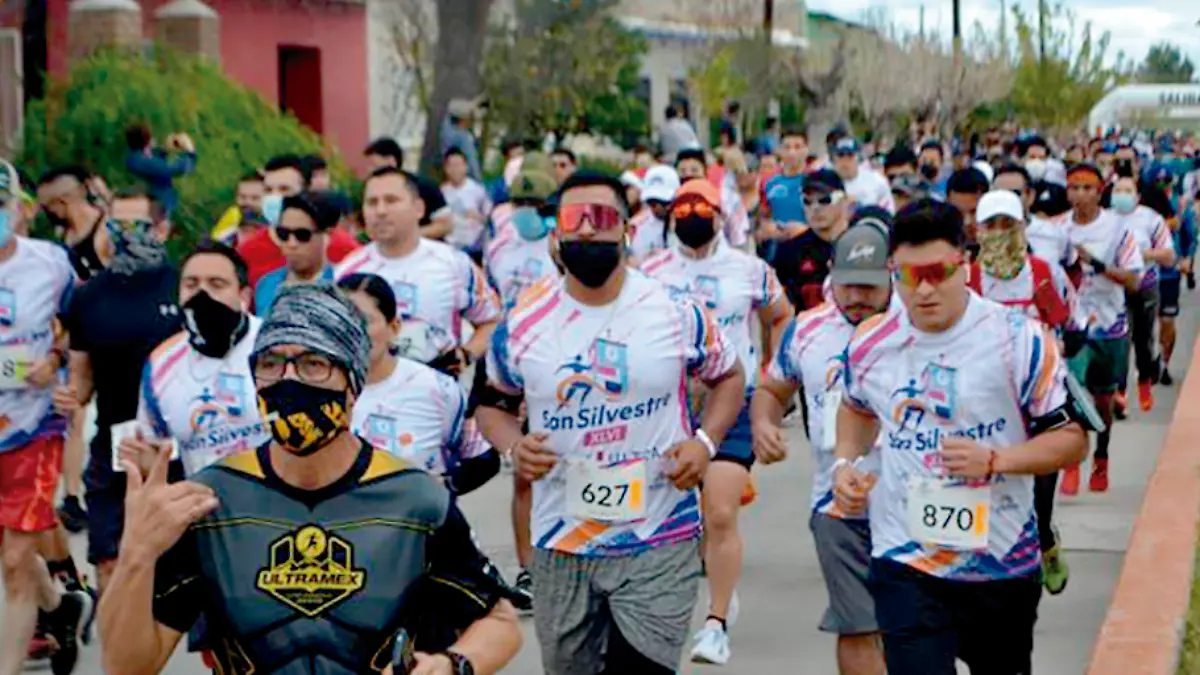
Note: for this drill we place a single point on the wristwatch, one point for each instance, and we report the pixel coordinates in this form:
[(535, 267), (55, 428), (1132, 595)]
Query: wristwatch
[(462, 665), (703, 437)]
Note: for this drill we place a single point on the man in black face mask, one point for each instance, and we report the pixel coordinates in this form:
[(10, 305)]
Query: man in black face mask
[(313, 552), (64, 198)]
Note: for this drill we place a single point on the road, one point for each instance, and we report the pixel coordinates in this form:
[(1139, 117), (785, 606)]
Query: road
[(782, 595)]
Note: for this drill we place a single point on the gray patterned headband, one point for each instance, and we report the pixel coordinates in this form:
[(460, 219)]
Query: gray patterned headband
[(324, 320)]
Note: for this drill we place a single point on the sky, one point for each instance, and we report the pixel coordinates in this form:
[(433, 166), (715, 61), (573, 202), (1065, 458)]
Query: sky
[(1134, 26)]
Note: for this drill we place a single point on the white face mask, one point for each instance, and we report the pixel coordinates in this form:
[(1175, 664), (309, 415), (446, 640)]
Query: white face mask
[(1036, 169)]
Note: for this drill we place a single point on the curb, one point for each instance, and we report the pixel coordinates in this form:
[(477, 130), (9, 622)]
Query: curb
[(1143, 630)]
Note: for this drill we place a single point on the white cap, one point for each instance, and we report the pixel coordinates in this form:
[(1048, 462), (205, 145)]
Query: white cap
[(1000, 203), (660, 184), (985, 169)]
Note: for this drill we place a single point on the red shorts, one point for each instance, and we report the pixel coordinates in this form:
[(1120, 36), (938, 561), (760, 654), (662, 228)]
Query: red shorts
[(28, 480)]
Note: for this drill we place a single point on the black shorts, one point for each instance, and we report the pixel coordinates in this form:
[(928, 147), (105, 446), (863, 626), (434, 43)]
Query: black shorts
[(928, 622), (1168, 296), (738, 446), (105, 499)]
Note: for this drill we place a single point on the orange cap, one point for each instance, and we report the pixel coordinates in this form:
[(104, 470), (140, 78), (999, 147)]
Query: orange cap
[(699, 187)]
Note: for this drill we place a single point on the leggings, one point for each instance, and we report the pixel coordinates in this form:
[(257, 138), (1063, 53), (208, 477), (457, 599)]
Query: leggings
[(1043, 505), (1143, 312)]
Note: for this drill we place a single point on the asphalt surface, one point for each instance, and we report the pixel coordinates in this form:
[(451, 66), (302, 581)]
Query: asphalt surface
[(783, 596)]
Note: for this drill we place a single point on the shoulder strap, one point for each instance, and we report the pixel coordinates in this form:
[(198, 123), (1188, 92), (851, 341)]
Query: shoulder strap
[(975, 280)]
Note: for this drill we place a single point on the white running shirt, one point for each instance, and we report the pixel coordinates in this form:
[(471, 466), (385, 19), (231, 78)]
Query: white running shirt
[(984, 378), (1149, 231), (609, 386), (648, 234), (470, 196), (1049, 239), (869, 188), (1101, 299), (1017, 292), (514, 263)]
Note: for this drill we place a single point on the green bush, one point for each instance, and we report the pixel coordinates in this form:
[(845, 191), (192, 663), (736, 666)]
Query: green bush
[(83, 118)]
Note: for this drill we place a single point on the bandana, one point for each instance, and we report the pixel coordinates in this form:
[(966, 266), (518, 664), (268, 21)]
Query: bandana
[(323, 320), (135, 250), (1002, 251)]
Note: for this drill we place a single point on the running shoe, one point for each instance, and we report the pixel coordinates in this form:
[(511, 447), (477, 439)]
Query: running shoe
[(523, 591), (1166, 379), (66, 625), (1070, 481), (749, 493), (1145, 395), (42, 645), (712, 644), (1099, 480), (1191, 281), (72, 515), (1054, 569), (1119, 405), (89, 617)]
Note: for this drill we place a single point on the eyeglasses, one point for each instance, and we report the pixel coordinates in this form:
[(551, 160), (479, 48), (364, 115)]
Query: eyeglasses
[(602, 217), (935, 273), (700, 208), (302, 235), (309, 367)]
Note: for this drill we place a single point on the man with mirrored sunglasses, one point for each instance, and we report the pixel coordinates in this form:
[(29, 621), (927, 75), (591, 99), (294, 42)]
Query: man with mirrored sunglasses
[(303, 236), (599, 357), (802, 262), (972, 401)]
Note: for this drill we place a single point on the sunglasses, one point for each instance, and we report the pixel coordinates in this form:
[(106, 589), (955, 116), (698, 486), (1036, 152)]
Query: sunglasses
[(129, 225), (602, 217), (935, 273), (701, 209), (302, 235), (823, 200)]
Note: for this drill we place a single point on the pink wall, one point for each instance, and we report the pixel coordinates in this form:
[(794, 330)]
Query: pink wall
[(251, 33)]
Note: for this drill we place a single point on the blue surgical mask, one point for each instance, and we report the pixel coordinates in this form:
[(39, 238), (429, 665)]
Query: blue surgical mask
[(1124, 202), (531, 225), (6, 227), (272, 209)]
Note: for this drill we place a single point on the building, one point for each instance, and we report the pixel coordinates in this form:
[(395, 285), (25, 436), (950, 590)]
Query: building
[(1162, 106)]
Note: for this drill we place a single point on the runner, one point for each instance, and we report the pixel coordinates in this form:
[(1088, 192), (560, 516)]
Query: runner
[(802, 262), (734, 287), (972, 402), (602, 358), (649, 227), (520, 255), (437, 221), (1048, 238), (436, 285), (36, 281), (964, 189), (1111, 263), (1158, 250), (242, 220), (811, 357), (865, 186), (413, 568), (692, 165), (409, 409), (469, 205), (1183, 231), (303, 234), (64, 199), (783, 216)]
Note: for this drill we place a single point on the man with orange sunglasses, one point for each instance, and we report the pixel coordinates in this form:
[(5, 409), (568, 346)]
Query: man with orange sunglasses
[(702, 265)]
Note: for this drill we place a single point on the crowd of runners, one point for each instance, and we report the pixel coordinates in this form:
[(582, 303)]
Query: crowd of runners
[(285, 418)]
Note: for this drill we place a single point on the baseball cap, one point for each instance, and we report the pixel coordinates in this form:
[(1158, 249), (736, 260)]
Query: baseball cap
[(1000, 203), (860, 255), (847, 145), (660, 184), (824, 180), (911, 185), (699, 187), (532, 183)]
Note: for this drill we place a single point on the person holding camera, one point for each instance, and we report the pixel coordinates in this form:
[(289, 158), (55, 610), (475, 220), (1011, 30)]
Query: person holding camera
[(155, 166)]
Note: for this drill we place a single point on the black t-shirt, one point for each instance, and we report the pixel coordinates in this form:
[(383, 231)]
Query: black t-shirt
[(802, 263), (1050, 199), (117, 321)]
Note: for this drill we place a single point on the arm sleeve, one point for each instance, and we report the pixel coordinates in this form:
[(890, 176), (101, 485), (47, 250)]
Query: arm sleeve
[(710, 356), (178, 591)]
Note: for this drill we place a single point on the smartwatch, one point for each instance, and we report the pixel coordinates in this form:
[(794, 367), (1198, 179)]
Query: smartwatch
[(462, 665)]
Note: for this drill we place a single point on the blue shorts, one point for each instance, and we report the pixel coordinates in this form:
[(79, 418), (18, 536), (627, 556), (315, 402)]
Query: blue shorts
[(738, 446)]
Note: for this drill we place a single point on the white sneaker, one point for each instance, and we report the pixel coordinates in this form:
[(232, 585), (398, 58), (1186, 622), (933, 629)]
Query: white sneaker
[(735, 608), (712, 645)]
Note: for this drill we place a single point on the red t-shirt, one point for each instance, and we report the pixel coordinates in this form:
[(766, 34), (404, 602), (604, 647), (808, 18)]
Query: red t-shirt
[(262, 256)]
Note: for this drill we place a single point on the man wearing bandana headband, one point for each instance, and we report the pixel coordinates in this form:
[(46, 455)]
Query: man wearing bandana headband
[(284, 547)]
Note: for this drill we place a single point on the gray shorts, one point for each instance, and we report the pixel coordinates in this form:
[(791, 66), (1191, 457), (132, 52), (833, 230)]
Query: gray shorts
[(649, 597), (844, 551)]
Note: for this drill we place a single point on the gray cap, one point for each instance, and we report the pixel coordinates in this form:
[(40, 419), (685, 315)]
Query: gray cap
[(860, 255), (325, 321)]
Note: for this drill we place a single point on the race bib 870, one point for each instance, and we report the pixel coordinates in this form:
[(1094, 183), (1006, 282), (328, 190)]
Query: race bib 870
[(954, 516), (607, 493)]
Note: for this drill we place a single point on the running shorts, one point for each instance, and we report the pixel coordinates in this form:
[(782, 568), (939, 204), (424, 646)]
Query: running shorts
[(738, 446), (844, 551), (1168, 296), (1101, 364), (28, 482)]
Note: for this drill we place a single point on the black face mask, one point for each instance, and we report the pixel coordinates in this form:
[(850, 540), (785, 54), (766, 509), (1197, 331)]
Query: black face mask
[(1123, 168), (303, 418), (591, 262), (930, 171), (694, 231), (214, 326), (83, 255)]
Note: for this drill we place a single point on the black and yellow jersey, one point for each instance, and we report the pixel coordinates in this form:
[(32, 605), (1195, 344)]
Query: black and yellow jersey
[(301, 582)]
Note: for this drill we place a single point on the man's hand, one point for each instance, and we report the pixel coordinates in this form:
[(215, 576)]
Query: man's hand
[(432, 664), (963, 458), (158, 513), (769, 446), (141, 452), (533, 458), (850, 489), (476, 216), (44, 372), (66, 399), (690, 463), (1085, 256), (184, 142)]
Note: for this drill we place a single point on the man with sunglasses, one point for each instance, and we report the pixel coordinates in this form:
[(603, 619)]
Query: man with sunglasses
[(303, 235), (803, 262), (813, 342), (972, 402), (1112, 263), (599, 358), (866, 186), (734, 286)]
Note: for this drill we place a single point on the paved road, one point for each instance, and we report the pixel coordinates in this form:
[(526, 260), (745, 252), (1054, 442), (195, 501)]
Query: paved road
[(782, 594)]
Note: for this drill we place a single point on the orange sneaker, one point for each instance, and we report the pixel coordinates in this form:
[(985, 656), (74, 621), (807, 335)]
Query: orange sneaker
[(749, 493), (1146, 395), (1099, 480), (1119, 405), (1070, 481)]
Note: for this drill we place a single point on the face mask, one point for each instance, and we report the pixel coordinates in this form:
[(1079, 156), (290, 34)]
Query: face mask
[(250, 215), (930, 171), (6, 227), (1124, 168), (1002, 251), (272, 209), (591, 262), (212, 325), (694, 232), (303, 418), (1036, 169), (530, 225), (1124, 202)]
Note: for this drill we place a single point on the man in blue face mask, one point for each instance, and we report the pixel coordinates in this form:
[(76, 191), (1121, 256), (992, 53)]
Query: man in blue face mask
[(520, 255)]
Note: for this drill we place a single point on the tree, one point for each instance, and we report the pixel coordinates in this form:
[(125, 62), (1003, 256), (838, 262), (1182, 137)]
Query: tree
[(408, 46), (1166, 63), (461, 31)]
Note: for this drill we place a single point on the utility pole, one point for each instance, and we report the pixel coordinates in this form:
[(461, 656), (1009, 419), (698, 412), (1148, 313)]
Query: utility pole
[(1041, 31), (1004, 30), (922, 23)]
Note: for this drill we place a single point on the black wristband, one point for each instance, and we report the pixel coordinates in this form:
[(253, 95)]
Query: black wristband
[(1098, 266)]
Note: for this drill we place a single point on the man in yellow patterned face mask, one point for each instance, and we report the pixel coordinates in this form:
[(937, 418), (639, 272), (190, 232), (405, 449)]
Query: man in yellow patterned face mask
[(1002, 245)]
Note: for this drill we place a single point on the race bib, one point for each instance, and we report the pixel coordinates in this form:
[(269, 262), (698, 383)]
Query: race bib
[(611, 494), (829, 415), (120, 432), (951, 516), (15, 363)]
